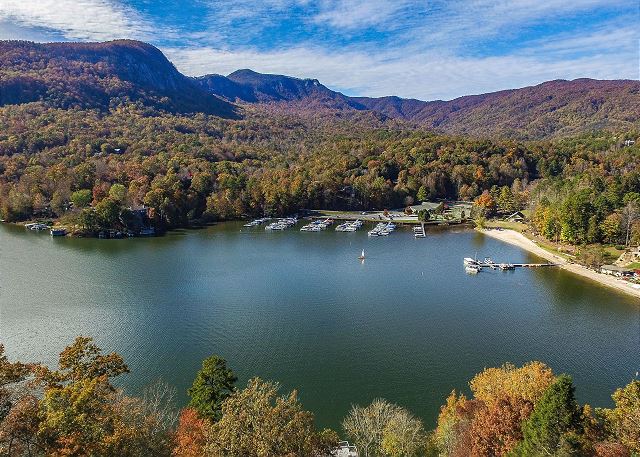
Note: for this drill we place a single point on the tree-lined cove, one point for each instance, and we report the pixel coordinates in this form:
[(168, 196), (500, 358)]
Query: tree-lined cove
[(407, 325)]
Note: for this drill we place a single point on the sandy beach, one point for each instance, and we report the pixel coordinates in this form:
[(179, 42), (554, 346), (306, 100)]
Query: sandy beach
[(518, 239)]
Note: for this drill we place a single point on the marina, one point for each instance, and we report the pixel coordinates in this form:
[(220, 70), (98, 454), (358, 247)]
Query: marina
[(382, 229), (317, 226), (282, 224)]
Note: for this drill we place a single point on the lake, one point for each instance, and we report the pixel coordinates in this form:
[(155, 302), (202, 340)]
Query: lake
[(407, 324)]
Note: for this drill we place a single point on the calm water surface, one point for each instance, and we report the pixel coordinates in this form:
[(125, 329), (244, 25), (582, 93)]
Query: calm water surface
[(407, 325)]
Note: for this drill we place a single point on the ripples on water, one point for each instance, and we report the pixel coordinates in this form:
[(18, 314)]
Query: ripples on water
[(408, 324)]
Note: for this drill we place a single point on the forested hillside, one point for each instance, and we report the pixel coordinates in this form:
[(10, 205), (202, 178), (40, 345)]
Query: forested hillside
[(91, 132), (549, 110), (99, 75), (88, 167)]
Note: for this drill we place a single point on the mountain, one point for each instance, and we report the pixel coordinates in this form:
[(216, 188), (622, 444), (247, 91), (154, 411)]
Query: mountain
[(551, 109), (98, 75), (252, 87), (102, 75)]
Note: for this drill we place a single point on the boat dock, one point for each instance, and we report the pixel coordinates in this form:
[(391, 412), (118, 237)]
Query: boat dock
[(475, 265)]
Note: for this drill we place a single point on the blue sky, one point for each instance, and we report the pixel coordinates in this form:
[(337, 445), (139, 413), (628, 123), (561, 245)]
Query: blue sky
[(433, 49)]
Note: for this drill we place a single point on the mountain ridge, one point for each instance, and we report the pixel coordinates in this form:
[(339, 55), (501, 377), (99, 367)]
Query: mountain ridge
[(103, 75), (552, 108), (89, 75)]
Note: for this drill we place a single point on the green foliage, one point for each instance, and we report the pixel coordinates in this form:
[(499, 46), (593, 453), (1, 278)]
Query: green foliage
[(256, 422), (213, 384), (554, 426)]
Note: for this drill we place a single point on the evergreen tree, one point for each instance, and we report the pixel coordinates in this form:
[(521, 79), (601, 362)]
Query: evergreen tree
[(213, 384), (554, 427)]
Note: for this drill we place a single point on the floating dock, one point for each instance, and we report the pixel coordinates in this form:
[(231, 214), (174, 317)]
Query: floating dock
[(488, 263)]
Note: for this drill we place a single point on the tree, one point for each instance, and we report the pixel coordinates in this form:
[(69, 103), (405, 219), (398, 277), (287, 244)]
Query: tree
[(383, 428), (610, 228), (118, 192), (422, 194), (191, 434), (506, 200), (403, 436), (446, 432), (624, 420), (486, 204), (107, 212), (88, 219), (82, 360), (214, 383), (19, 428), (256, 422), (496, 429), (554, 424), (82, 413), (630, 214), (81, 198), (528, 382), (19, 419)]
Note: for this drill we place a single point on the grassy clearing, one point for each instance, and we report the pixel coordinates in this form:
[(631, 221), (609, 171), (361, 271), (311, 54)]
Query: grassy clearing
[(517, 226)]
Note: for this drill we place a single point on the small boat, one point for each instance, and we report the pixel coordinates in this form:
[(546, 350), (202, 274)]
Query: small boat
[(473, 269), (470, 261), (58, 232), (361, 255)]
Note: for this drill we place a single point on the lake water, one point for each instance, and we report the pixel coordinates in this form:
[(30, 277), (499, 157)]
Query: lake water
[(408, 324)]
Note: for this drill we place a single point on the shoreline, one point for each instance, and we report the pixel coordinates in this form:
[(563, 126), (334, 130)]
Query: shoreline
[(518, 239)]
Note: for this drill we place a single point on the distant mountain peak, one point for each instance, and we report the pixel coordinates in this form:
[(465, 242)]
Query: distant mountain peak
[(92, 75), (552, 108)]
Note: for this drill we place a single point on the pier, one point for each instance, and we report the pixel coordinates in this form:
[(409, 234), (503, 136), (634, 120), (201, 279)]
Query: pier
[(474, 265)]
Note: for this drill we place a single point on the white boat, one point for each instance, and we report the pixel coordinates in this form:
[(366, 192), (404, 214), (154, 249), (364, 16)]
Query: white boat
[(362, 255), (470, 261), (473, 269)]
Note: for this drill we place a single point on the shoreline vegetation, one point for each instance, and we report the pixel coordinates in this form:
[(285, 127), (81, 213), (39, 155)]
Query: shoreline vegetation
[(512, 411), (516, 238), (505, 232)]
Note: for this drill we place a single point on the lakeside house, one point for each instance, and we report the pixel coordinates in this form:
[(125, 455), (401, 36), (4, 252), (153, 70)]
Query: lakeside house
[(614, 270), (515, 217)]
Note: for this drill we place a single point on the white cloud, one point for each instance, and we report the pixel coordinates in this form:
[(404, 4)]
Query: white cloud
[(423, 49), (352, 14), (426, 76), (78, 19)]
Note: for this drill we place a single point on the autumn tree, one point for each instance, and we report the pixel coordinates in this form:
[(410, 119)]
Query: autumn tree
[(190, 435), (485, 204), (497, 428), (19, 419), (404, 435), (383, 428), (528, 382), (623, 421), (257, 422)]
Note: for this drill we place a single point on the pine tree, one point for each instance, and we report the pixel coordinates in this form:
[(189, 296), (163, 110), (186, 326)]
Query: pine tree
[(213, 384), (554, 428)]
